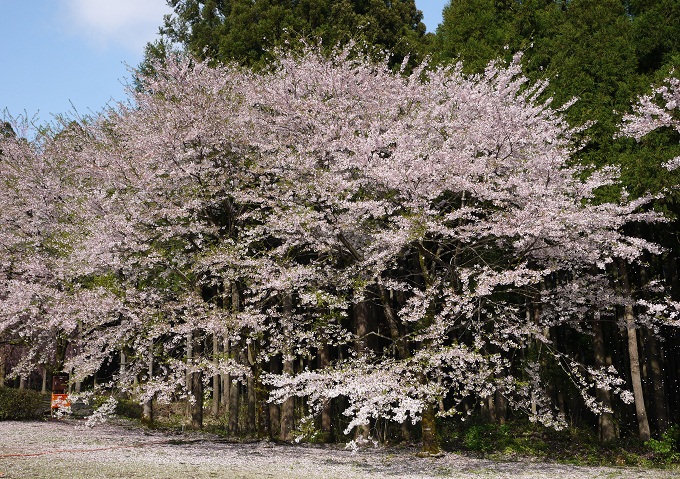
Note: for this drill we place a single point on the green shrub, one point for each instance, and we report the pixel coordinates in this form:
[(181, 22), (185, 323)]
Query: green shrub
[(484, 437), (22, 404), (520, 437), (666, 449), (129, 409)]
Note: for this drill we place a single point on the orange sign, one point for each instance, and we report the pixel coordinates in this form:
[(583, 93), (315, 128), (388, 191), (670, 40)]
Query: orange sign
[(60, 401)]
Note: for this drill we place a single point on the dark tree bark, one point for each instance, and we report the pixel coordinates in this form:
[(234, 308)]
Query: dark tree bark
[(147, 406), (656, 359), (326, 417), (606, 426), (195, 402), (431, 445), (275, 409), (215, 409), (634, 355), (263, 418), (234, 401), (361, 314), (251, 396), (234, 388), (288, 406), (654, 371), (428, 423)]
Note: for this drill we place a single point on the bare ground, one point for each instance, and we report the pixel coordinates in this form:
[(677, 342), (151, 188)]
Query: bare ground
[(68, 449)]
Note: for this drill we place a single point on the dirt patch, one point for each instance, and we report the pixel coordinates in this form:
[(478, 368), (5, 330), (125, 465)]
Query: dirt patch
[(67, 448)]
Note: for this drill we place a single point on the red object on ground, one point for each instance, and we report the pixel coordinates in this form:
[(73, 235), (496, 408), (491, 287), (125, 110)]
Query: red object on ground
[(60, 401), (60, 398)]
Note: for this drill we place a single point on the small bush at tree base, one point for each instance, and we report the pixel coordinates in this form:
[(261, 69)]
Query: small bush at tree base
[(666, 449), (519, 437), (22, 404), (129, 409)]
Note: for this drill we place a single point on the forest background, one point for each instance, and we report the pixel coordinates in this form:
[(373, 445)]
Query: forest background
[(164, 252)]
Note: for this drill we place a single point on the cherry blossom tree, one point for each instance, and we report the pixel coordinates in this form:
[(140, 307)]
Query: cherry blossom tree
[(41, 226), (465, 178), (272, 213)]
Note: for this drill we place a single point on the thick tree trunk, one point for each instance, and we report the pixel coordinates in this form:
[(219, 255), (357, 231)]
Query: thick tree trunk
[(225, 389), (634, 356), (225, 379), (234, 408), (261, 398), (147, 412), (672, 274), (215, 410), (636, 378), (251, 396), (147, 406), (395, 334), (501, 407), (226, 385), (326, 417), (398, 340), (429, 428), (606, 426), (361, 313), (428, 422), (361, 327), (274, 420), (197, 403), (288, 406), (489, 408), (234, 388), (194, 384), (188, 376), (656, 358), (275, 409), (60, 354), (3, 370), (263, 420)]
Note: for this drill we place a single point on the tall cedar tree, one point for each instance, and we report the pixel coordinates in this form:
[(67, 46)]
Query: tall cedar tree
[(246, 31)]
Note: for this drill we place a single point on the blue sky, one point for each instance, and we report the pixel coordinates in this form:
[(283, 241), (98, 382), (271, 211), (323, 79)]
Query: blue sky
[(61, 55)]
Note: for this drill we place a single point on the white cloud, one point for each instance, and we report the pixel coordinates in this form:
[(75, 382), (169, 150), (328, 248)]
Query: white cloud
[(126, 23)]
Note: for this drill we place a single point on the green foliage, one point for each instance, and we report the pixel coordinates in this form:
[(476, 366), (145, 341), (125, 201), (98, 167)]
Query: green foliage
[(667, 449), (246, 31), (478, 31), (308, 432), (474, 31), (656, 30), (485, 437), (481, 436), (642, 169), (572, 445), (22, 404), (129, 409)]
